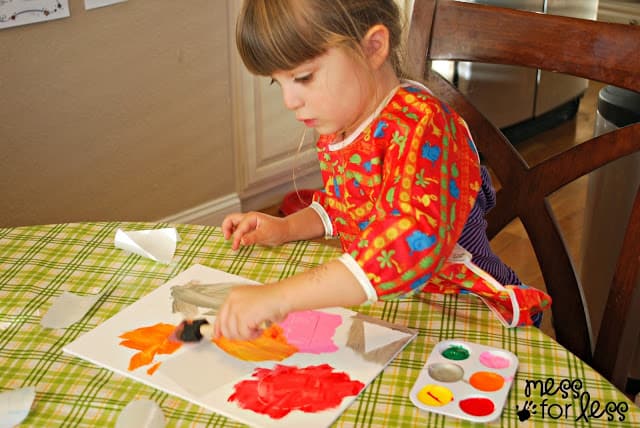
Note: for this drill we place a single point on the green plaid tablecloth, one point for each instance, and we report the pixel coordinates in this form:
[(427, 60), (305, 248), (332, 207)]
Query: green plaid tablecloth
[(38, 263)]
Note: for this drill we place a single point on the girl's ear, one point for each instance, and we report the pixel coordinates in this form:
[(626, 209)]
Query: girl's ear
[(375, 45)]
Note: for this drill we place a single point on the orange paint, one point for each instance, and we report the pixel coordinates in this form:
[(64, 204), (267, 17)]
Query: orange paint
[(151, 370), (486, 381), (271, 345), (149, 341)]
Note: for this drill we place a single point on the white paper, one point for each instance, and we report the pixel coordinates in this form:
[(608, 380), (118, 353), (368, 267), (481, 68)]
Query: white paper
[(15, 406), (141, 414), (101, 346), (377, 336), (92, 4), (67, 309), (22, 12), (192, 369), (155, 244)]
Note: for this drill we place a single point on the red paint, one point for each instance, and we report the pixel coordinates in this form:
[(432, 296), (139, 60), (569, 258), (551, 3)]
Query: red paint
[(434, 397), (278, 391), (477, 406)]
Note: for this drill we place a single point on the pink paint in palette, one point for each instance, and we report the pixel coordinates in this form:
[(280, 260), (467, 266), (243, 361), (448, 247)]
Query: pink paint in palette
[(465, 380)]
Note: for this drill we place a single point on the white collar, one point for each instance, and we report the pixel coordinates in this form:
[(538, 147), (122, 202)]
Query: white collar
[(351, 137)]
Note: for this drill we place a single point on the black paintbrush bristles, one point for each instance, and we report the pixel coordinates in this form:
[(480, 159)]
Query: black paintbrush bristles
[(189, 331)]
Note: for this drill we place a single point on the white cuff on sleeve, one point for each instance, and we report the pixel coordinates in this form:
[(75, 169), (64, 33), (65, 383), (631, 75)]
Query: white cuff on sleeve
[(326, 221), (361, 276)]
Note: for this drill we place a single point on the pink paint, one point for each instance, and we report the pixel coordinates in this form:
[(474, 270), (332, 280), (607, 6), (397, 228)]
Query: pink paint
[(277, 392), (494, 361), (311, 331)]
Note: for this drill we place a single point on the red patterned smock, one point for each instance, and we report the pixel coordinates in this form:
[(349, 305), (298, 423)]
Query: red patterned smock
[(397, 192)]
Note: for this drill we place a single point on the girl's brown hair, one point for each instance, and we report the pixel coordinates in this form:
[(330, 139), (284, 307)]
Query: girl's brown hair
[(274, 35)]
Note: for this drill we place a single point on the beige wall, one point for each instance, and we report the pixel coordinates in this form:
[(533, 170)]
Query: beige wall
[(118, 113)]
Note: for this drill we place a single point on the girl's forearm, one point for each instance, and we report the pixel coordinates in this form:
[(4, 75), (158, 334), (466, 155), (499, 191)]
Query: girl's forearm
[(304, 224), (328, 285)]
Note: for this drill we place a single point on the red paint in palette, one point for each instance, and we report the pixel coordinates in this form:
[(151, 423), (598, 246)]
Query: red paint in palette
[(277, 392), (477, 406)]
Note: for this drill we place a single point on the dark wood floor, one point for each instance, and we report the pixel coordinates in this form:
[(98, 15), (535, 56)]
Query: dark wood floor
[(512, 244)]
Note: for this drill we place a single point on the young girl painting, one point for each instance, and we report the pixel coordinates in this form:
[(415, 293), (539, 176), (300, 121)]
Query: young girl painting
[(403, 187)]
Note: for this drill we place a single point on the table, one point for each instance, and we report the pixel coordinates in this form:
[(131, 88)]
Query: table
[(38, 263)]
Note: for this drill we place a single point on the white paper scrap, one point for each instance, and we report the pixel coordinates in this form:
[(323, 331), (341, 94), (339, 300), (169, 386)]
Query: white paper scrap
[(141, 414), (67, 309), (155, 244), (15, 406), (377, 336), (92, 4)]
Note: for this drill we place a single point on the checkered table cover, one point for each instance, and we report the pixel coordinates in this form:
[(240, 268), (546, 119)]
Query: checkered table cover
[(38, 263)]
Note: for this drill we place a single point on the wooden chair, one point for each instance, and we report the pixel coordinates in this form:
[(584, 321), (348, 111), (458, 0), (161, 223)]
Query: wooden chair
[(608, 53)]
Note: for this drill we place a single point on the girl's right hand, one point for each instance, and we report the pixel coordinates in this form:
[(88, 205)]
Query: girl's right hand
[(255, 228)]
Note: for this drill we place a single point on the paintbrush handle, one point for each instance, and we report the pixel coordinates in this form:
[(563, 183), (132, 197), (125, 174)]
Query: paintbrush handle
[(206, 330)]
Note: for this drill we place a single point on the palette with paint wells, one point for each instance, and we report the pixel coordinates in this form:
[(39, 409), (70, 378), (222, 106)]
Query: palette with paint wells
[(465, 380)]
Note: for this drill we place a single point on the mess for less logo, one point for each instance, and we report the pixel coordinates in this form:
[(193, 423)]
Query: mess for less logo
[(585, 409)]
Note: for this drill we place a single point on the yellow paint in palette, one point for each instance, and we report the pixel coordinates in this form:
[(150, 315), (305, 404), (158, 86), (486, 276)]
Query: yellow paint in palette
[(465, 380)]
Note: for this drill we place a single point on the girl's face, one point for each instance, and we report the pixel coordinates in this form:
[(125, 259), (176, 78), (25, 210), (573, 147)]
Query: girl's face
[(333, 93)]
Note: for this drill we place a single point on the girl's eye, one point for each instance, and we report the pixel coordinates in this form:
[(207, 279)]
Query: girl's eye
[(305, 78), (273, 81)]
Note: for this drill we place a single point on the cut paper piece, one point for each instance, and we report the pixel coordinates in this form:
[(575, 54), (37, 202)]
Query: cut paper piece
[(189, 297), (93, 4), (377, 336), (155, 244), (67, 309), (277, 392), (192, 369), (272, 345), (15, 405), (149, 341), (356, 339), (311, 331), (141, 414)]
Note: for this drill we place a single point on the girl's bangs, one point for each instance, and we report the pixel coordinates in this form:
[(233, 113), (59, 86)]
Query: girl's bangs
[(270, 39)]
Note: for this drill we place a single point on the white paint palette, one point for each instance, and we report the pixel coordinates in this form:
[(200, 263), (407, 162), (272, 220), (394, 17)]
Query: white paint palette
[(465, 380)]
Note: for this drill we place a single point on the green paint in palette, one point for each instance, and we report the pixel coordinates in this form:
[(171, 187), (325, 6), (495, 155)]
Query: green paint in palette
[(456, 353)]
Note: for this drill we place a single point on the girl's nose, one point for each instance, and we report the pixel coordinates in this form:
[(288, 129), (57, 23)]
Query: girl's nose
[(292, 100)]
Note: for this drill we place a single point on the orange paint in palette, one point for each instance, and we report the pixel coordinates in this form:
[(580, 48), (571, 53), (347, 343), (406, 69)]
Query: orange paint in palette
[(465, 380)]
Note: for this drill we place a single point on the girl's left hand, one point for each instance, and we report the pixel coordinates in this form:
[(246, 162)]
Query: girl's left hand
[(246, 309)]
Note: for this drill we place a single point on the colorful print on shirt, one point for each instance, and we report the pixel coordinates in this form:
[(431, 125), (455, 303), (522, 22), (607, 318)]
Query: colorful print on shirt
[(399, 194)]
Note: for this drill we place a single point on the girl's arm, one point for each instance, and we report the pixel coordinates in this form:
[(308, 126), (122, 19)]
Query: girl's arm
[(248, 307), (259, 228)]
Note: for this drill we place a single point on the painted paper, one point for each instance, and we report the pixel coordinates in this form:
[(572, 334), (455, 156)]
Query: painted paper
[(206, 375), (279, 391), (272, 345)]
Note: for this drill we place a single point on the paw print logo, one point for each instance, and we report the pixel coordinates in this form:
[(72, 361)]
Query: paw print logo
[(527, 409)]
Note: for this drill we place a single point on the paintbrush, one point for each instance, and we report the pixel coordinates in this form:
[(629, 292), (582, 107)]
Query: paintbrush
[(191, 296), (193, 331), (196, 330)]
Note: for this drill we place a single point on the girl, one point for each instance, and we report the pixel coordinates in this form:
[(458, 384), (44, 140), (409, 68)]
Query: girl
[(403, 188)]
